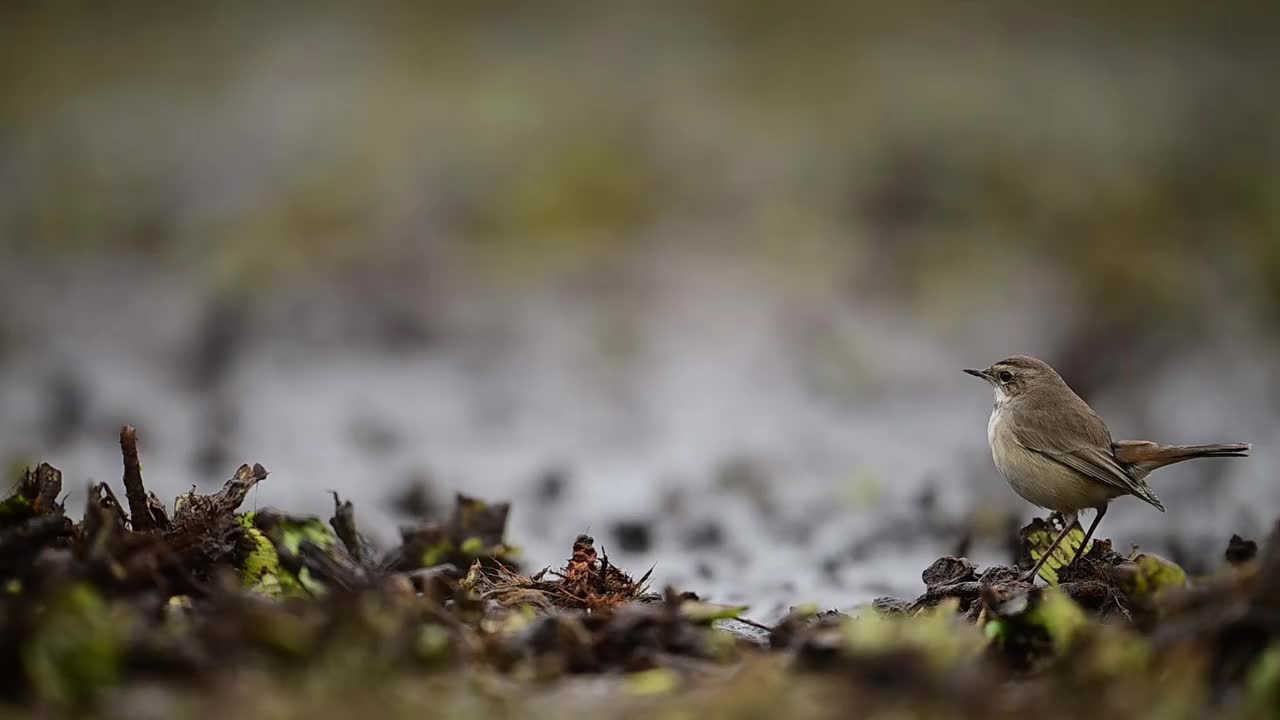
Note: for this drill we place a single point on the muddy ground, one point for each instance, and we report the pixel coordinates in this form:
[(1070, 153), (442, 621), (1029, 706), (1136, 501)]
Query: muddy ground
[(192, 608)]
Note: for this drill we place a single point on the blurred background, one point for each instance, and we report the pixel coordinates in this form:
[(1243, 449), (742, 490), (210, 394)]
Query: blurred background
[(698, 279)]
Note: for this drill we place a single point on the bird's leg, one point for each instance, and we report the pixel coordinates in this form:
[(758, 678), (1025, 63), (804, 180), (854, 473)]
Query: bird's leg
[(1100, 510), (1068, 522)]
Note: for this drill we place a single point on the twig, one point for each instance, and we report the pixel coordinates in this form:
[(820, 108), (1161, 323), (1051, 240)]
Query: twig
[(754, 624), (344, 525), (134, 491)]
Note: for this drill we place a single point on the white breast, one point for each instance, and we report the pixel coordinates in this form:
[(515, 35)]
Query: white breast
[(1038, 479)]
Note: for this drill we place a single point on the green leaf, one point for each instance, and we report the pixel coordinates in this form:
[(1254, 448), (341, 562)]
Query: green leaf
[(435, 554), (260, 569), (1146, 574), (1263, 684), (1036, 623), (433, 642), (658, 681), (700, 612), (1039, 536), (1060, 616), (296, 532)]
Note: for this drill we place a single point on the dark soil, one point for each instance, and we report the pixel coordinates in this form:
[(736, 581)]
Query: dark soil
[(140, 607)]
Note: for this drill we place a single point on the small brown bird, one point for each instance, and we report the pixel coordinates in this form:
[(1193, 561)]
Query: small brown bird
[(1057, 453)]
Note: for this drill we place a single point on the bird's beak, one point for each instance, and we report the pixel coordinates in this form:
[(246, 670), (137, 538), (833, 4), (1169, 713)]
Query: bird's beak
[(979, 374)]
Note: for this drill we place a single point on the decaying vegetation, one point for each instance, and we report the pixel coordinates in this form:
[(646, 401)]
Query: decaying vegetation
[(142, 608)]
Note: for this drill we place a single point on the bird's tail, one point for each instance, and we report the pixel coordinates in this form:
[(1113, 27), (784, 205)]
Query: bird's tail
[(1144, 456)]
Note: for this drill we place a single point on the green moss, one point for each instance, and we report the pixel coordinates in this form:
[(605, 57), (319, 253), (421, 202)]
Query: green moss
[(1263, 684), (937, 634), (472, 548), (1148, 575), (1118, 653), (1030, 627), (722, 645), (433, 642), (76, 651), (293, 533), (805, 610), (309, 583), (260, 570), (15, 509), (285, 634), (1059, 616), (658, 681), (436, 554), (514, 622)]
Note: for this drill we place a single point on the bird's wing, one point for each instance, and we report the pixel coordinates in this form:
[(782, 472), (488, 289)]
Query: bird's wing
[(1084, 445)]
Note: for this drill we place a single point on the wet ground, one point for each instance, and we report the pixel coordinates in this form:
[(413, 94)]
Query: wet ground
[(148, 607), (697, 281), (751, 445)]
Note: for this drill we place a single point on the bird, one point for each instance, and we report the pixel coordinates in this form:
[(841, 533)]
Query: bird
[(1057, 453)]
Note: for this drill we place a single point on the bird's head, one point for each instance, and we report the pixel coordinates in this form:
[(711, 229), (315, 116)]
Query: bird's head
[(1017, 375)]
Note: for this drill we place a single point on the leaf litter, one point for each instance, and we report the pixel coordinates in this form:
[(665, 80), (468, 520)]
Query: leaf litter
[(276, 612)]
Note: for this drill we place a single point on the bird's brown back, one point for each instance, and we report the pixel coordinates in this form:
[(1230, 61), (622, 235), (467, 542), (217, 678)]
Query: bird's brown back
[(1048, 417)]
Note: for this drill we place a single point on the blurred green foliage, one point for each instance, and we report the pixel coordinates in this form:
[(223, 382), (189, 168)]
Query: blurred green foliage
[(77, 650), (1129, 151)]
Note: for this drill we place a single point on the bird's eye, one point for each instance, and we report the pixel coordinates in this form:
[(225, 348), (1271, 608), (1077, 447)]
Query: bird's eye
[(1005, 376)]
